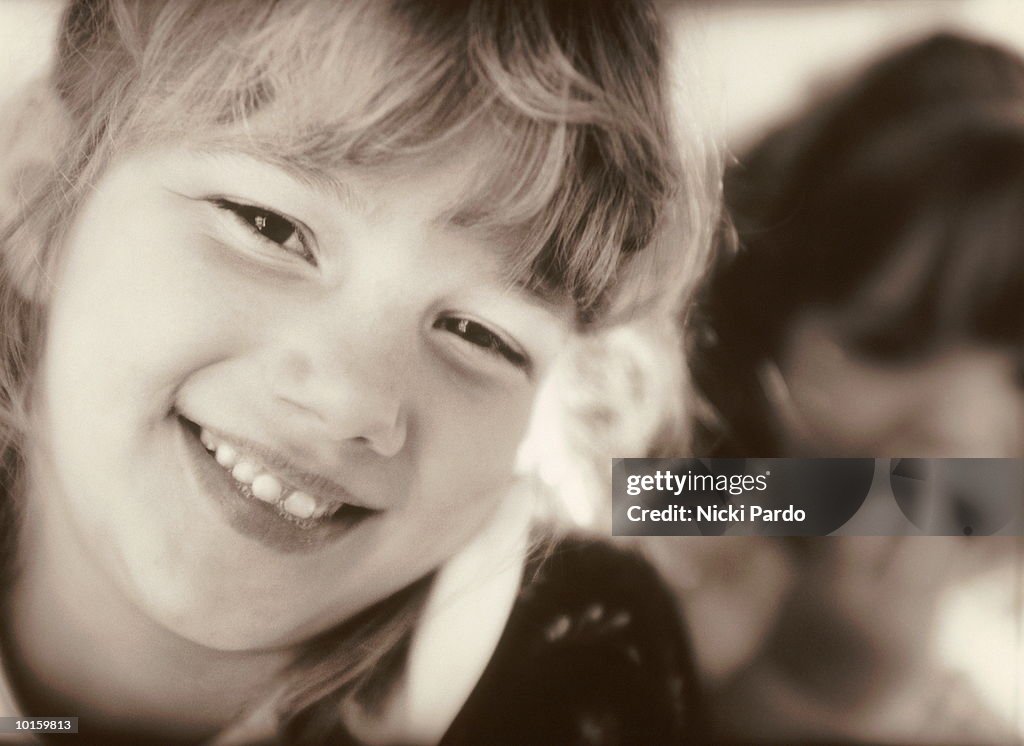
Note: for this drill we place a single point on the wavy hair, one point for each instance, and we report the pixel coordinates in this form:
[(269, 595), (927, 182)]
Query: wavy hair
[(567, 98), (918, 158)]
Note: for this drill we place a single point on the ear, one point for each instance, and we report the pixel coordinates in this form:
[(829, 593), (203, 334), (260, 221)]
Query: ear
[(32, 131)]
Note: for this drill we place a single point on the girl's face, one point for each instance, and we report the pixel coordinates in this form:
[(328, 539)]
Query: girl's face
[(959, 400), (268, 400), (860, 381)]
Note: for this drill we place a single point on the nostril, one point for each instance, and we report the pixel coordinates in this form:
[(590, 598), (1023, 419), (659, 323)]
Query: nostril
[(368, 421), (390, 439)]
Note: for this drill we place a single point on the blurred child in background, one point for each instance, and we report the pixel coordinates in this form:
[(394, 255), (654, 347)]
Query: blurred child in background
[(874, 306)]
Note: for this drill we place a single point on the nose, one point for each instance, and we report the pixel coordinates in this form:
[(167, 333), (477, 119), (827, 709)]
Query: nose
[(341, 394)]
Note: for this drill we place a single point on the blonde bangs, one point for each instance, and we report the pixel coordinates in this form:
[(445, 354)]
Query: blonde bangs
[(565, 106)]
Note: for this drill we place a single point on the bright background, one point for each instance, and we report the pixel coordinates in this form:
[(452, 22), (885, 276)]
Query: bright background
[(744, 61), (752, 60)]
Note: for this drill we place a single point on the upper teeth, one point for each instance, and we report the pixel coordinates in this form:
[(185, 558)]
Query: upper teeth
[(261, 483)]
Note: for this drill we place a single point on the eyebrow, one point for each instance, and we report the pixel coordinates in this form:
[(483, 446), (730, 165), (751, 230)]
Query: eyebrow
[(307, 173), (322, 181), (303, 171), (551, 302), (524, 284)]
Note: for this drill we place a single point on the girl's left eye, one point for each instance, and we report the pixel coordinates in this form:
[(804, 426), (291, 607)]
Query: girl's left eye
[(480, 336), (270, 226)]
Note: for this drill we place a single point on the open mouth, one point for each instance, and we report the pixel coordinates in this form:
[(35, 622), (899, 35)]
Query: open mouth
[(265, 488)]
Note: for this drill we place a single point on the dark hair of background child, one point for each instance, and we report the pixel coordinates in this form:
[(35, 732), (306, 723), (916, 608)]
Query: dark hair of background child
[(924, 150)]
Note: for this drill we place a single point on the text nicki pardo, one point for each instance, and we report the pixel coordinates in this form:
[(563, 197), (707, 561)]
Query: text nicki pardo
[(817, 497), (665, 483)]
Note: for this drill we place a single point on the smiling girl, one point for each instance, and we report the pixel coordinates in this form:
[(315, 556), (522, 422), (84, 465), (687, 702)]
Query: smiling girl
[(278, 296)]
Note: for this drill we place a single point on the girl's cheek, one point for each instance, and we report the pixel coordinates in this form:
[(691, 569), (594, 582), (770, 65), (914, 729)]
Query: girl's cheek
[(474, 437), (837, 399), (138, 297)]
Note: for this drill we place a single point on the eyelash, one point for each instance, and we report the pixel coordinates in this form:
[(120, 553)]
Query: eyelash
[(265, 223), (480, 336), (473, 332)]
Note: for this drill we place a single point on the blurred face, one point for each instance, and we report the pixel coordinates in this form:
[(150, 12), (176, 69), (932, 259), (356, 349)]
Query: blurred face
[(961, 399), (268, 401)]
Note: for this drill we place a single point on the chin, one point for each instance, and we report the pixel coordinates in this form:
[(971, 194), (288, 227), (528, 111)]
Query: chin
[(228, 625)]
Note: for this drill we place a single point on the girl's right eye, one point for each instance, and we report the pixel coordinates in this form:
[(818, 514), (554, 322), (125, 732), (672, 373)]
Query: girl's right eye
[(270, 227)]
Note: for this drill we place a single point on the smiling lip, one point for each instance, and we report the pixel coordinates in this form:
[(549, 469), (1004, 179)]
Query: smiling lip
[(263, 522)]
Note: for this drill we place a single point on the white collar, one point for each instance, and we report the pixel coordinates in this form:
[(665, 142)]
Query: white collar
[(465, 614)]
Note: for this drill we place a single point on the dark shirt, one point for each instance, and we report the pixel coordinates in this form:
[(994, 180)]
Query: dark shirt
[(593, 655)]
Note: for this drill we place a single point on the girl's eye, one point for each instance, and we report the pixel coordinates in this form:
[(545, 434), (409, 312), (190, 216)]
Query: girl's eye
[(270, 226), (893, 346), (480, 336)]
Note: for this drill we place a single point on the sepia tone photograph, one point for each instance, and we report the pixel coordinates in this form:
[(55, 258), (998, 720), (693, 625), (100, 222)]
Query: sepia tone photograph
[(325, 320)]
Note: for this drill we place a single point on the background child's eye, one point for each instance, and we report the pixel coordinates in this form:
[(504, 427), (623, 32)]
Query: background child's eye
[(480, 336), (894, 345), (269, 225)]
